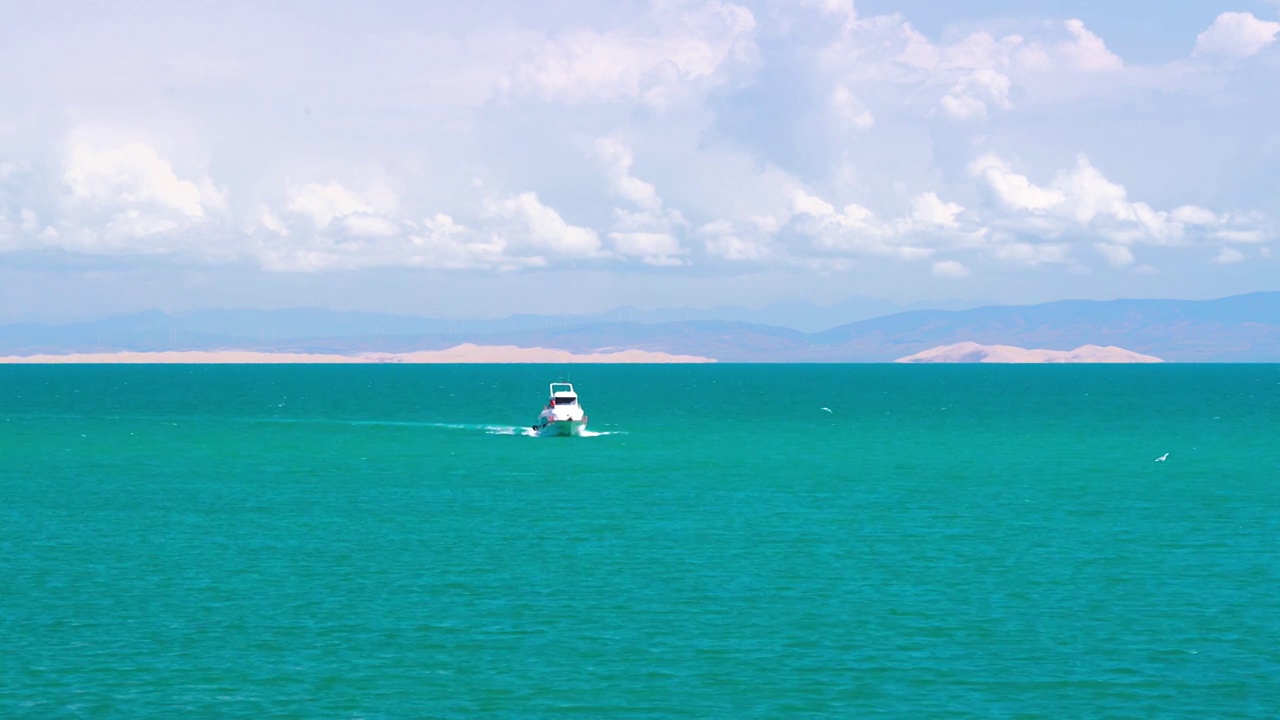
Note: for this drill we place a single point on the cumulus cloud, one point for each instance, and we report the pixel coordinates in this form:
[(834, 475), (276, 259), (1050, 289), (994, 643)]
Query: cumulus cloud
[(929, 210), (852, 230), (849, 112), (1229, 256), (842, 10), (970, 78), (1032, 253), (652, 248), (962, 107), (949, 269), (1236, 35), (1083, 198), (338, 228), (322, 203), (1015, 191), (531, 224), (112, 173), (751, 239), (118, 194), (1087, 52), (443, 243), (1117, 255), (969, 97), (648, 230), (644, 126), (616, 157), (10, 169), (685, 44)]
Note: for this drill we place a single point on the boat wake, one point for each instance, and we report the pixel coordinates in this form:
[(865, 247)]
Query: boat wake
[(530, 432), (513, 430), (486, 428)]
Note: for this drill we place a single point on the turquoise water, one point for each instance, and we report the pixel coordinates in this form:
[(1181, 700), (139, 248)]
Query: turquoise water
[(383, 542)]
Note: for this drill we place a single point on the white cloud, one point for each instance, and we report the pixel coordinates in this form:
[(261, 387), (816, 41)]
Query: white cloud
[(120, 195), (110, 173), (1117, 255), (648, 232), (1082, 198), (687, 43), (270, 221), (1086, 51), (10, 169), (1193, 215), (885, 56), (969, 97), (949, 269), (1015, 191), (1088, 194), (842, 9), (616, 158), (1032, 254), (928, 210), (1236, 35), (322, 203), (329, 225), (1229, 256), (963, 107), (445, 244), (1242, 236), (29, 222), (721, 241), (653, 248), (369, 226), (338, 168), (531, 224), (851, 231), (134, 224), (850, 112)]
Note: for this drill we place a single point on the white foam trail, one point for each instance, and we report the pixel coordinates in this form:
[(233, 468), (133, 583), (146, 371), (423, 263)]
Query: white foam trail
[(486, 428), (530, 432), (504, 430)]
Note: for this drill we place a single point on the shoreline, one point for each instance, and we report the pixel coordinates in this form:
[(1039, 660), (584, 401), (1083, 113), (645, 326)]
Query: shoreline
[(465, 353)]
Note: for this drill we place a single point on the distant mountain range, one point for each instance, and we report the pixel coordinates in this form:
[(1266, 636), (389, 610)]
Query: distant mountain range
[(1242, 328), (294, 323)]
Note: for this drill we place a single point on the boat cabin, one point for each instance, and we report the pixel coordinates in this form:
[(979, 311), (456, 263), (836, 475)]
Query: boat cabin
[(562, 394)]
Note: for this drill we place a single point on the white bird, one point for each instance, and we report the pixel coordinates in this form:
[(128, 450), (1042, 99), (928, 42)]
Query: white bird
[(825, 409), (1163, 457)]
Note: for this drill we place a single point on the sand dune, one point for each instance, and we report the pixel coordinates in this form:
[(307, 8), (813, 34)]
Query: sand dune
[(971, 352), (466, 353)]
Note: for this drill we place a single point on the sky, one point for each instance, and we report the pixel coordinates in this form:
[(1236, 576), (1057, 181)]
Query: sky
[(498, 156)]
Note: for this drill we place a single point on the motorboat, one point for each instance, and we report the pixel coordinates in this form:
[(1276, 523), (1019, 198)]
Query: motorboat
[(562, 416)]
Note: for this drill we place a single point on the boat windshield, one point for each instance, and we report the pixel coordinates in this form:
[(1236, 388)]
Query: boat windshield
[(565, 400)]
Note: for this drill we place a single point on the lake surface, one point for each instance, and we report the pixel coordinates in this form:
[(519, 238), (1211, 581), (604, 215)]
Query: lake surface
[(385, 541)]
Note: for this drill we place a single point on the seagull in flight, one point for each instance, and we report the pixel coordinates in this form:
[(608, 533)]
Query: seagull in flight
[(1163, 457), (826, 409)]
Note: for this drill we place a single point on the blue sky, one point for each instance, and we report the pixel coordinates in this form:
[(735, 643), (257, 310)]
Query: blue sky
[(495, 157)]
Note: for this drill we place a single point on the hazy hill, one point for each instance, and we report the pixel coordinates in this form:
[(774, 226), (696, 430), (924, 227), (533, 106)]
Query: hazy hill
[(1243, 328), (1240, 328)]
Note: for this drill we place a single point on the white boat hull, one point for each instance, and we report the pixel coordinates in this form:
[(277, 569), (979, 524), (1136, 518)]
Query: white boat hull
[(563, 416), (562, 428)]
